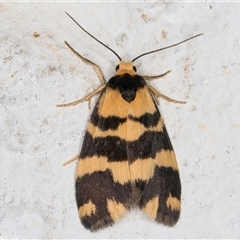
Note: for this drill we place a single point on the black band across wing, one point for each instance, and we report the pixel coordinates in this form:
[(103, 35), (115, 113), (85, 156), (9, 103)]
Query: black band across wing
[(148, 144), (148, 119), (106, 123), (113, 122)]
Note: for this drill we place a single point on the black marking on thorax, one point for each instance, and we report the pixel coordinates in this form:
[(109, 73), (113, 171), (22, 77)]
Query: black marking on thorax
[(127, 85)]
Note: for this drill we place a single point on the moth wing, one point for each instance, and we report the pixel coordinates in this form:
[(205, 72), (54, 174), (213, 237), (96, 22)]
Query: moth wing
[(103, 187), (161, 195)]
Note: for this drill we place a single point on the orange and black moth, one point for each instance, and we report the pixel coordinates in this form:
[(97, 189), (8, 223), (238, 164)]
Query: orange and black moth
[(127, 159)]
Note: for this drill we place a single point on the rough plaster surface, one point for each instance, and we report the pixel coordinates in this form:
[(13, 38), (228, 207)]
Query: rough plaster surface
[(38, 71)]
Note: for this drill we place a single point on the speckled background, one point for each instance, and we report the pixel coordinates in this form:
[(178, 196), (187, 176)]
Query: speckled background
[(38, 71)]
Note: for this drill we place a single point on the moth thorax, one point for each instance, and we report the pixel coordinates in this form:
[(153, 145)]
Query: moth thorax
[(126, 67)]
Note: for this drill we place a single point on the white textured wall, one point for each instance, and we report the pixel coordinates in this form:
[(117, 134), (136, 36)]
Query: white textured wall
[(36, 191)]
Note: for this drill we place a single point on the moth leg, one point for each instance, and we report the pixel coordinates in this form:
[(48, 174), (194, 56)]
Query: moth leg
[(96, 67), (87, 98), (149, 78), (72, 160), (158, 94)]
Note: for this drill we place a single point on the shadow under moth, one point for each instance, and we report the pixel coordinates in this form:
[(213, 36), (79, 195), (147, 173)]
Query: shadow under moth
[(127, 159)]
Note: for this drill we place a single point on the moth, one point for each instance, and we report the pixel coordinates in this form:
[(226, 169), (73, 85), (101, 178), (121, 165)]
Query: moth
[(127, 159)]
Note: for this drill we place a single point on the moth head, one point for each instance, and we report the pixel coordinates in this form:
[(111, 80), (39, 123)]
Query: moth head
[(126, 67)]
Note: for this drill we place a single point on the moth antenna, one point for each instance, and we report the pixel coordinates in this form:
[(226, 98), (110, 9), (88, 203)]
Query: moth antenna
[(94, 37), (160, 49)]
